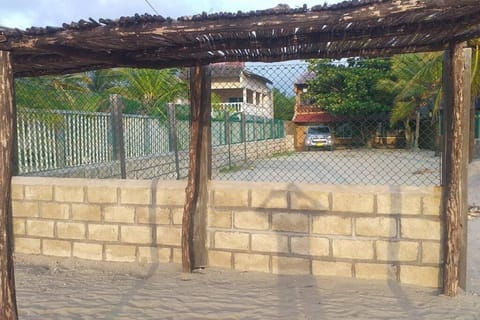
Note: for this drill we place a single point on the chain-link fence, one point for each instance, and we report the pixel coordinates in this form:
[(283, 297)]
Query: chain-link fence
[(266, 126)]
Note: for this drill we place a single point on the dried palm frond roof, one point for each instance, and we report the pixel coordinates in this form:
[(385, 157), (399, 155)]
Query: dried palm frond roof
[(350, 28)]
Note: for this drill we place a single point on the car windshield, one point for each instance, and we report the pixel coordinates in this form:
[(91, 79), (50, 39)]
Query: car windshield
[(318, 130)]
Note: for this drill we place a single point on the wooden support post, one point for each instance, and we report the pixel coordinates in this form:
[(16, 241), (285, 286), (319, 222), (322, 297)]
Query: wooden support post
[(194, 223), (8, 304), (455, 82)]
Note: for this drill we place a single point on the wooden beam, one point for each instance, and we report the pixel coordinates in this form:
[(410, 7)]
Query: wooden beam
[(8, 305), (194, 253), (455, 167)]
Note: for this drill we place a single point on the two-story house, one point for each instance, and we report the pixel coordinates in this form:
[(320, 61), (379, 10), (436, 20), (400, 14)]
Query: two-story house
[(238, 90)]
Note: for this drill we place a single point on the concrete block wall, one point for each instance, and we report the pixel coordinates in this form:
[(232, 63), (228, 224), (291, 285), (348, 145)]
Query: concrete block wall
[(363, 232), (105, 220)]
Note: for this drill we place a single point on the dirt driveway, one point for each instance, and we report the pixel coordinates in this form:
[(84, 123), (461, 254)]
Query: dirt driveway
[(350, 166)]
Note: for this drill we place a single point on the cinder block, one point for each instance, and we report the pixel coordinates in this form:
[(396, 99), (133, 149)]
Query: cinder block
[(332, 268), (291, 222), (18, 227), (251, 220), (17, 192), (53, 210), (399, 203), (287, 265), (432, 204), (397, 250), (171, 236), (69, 194), (119, 214), (24, 209), (353, 202), (232, 240), (376, 227), (136, 234), (40, 228), (310, 246), (27, 245), (147, 215), (120, 253), (309, 200), (264, 198), (432, 252), (154, 255), (57, 248), (101, 194), (220, 219), (335, 225), (220, 259), (375, 271), (421, 276), (269, 243), (170, 197), (231, 198), (352, 249), (251, 262), (135, 196), (413, 228), (38, 192), (86, 212), (71, 230), (89, 251), (177, 215), (103, 232)]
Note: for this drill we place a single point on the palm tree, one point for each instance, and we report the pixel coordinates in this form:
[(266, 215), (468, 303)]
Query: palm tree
[(148, 90), (416, 83)]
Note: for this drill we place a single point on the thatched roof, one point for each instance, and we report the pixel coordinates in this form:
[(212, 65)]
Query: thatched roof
[(351, 28)]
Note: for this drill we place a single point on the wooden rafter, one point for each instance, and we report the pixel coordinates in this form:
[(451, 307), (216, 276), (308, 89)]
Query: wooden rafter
[(361, 27)]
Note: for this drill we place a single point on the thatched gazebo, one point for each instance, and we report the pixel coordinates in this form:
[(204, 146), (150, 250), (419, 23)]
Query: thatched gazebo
[(351, 28)]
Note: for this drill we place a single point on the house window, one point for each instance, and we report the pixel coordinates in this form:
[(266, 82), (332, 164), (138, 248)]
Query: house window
[(343, 130)]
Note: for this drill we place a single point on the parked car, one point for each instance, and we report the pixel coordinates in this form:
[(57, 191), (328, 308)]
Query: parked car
[(318, 137)]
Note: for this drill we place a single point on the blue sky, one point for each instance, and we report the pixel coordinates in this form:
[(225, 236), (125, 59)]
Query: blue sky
[(25, 13)]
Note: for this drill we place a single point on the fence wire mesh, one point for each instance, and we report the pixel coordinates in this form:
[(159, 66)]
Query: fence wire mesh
[(266, 126)]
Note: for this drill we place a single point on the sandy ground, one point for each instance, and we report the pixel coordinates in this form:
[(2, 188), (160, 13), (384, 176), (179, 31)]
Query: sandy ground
[(72, 289), (86, 293)]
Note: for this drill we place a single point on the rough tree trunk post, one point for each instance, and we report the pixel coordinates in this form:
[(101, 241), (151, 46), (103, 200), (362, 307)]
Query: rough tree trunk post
[(8, 304), (194, 223), (456, 80)]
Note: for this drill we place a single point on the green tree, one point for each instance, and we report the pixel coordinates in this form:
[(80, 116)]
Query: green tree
[(81, 91), (350, 88), (416, 83), (283, 105), (147, 91)]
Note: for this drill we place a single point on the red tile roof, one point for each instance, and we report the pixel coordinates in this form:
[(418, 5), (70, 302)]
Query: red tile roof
[(320, 117)]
